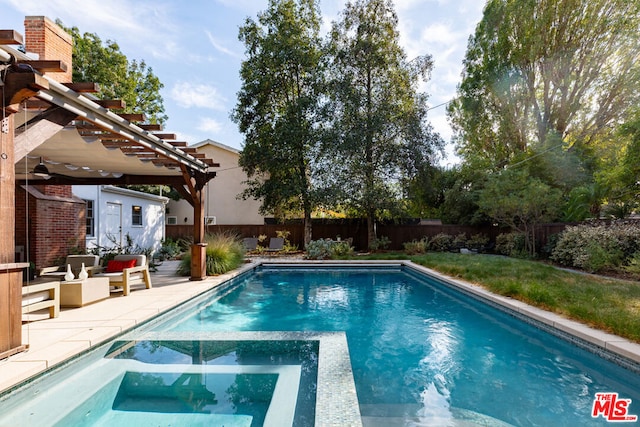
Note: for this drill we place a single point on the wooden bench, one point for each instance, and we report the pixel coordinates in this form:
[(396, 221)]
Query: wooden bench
[(40, 294)]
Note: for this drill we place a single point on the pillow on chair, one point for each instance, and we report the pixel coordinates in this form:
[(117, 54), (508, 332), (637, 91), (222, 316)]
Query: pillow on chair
[(114, 266)]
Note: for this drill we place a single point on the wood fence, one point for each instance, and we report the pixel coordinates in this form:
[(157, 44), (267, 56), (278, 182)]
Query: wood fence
[(357, 230)]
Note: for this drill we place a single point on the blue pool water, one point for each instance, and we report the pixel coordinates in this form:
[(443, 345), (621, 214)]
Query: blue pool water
[(423, 353)]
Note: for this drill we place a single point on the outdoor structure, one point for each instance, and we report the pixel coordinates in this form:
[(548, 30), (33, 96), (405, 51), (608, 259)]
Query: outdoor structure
[(54, 133), (115, 214), (222, 207)]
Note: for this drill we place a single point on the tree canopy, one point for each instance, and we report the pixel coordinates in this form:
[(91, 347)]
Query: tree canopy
[(131, 81), (538, 68), (551, 87), (377, 126), (277, 104)]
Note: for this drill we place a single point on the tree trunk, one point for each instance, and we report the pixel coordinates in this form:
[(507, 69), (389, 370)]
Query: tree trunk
[(307, 228), (371, 229)]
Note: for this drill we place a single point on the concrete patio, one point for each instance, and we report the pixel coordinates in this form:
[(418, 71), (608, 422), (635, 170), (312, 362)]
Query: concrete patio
[(54, 340)]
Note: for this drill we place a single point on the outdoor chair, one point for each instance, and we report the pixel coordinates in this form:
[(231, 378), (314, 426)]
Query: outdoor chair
[(276, 244), (91, 262), (250, 243), (126, 270)]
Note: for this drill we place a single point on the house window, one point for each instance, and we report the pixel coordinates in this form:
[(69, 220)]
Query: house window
[(90, 218), (172, 220), (136, 215)]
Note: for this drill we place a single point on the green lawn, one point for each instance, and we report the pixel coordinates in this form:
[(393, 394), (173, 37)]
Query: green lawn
[(609, 304)]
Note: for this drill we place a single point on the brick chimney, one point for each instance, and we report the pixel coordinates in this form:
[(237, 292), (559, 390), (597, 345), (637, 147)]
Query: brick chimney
[(46, 39)]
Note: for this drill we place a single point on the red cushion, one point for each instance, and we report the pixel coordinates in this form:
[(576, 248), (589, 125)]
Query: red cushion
[(114, 266)]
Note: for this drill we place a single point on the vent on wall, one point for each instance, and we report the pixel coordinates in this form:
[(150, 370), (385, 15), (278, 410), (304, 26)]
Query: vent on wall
[(172, 220), (210, 220)]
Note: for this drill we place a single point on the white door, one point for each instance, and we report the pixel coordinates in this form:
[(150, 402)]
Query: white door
[(113, 225)]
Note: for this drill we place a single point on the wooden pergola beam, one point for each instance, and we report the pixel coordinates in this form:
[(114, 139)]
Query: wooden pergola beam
[(114, 104), (45, 66), (133, 117), (166, 135), (10, 37), (84, 87), (151, 127)]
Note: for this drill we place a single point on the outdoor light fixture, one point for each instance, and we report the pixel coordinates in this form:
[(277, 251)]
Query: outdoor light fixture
[(41, 170)]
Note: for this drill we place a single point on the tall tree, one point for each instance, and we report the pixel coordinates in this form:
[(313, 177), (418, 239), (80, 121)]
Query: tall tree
[(131, 81), (377, 116), (277, 103), (535, 68)]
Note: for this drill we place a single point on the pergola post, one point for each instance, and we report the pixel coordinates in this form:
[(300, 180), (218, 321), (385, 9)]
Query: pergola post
[(10, 271), (199, 248)]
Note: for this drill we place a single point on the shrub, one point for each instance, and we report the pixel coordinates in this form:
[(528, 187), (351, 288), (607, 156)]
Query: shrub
[(170, 249), (380, 244), (328, 249), (224, 252), (441, 242), (459, 241), (477, 241), (416, 246), (597, 247), (511, 244)]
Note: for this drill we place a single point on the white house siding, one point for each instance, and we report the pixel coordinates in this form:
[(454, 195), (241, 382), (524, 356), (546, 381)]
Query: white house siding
[(113, 216), (222, 191)]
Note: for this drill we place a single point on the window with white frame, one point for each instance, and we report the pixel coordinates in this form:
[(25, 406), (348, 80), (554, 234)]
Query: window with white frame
[(136, 215), (172, 220), (90, 218)]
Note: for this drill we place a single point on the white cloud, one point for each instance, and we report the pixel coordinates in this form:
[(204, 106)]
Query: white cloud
[(209, 125), (188, 95), (217, 45)]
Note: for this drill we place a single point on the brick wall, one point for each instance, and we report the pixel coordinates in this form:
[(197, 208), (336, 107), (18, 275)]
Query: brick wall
[(49, 41), (56, 224)]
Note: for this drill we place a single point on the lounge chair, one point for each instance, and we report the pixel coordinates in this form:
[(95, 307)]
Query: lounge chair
[(126, 270), (91, 262), (250, 243), (276, 244)]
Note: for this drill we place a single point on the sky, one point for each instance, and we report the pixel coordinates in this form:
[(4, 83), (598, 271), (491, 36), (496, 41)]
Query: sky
[(193, 48)]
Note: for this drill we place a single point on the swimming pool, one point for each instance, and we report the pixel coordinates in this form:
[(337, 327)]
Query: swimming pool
[(261, 348), (421, 351)]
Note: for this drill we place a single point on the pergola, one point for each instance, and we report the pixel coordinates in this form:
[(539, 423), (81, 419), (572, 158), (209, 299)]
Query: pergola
[(59, 134)]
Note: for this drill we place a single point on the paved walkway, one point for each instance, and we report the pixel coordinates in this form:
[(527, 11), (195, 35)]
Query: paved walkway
[(76, 329)]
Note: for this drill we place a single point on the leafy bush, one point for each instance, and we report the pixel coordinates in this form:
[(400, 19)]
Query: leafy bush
[(441, 242), (328, 249), (477, 241), (511, 244), (598, 247), (287, 246), (380, 243), (459, 241), (224, 253), (170, 249), (416, 246)]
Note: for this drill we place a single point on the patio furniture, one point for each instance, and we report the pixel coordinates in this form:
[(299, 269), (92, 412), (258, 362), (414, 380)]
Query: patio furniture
[(77, 293), (40, 294), (91, 262), (276, 244), (124, 271), (250, 243)]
